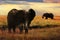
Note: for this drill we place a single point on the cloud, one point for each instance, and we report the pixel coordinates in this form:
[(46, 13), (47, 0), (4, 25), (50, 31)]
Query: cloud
[(57, 7), (15, 2), (35, 0), (12, 0), (52, 7), (52, 1), (24, 0), (47, 1)]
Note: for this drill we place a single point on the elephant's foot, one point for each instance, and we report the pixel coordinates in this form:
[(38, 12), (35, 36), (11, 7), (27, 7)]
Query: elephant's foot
[(14, 32), (26, 31), (9, 31), (21, 32)]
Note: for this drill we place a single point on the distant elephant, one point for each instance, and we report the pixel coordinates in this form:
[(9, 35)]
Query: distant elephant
[(48, 15), (20, 18)]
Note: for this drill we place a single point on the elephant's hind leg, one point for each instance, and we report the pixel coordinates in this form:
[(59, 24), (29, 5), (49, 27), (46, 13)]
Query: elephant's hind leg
[(9, 29), (21, 28), (14, 29)]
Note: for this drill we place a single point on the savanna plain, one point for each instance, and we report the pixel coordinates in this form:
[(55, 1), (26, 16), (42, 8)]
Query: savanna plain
[(40, 29)]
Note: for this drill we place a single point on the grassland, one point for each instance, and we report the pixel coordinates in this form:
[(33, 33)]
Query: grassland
[(34, 34), (3, 20), (37, 21), (50, 30)]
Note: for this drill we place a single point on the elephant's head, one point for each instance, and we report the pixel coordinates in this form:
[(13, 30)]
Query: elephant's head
[(31, 11)]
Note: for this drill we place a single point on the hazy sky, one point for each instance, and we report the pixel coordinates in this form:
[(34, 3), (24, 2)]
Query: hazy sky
[(48, 1), (39, 8), (53, 1)]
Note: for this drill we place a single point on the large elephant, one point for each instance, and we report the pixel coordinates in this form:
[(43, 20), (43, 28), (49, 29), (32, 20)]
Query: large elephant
[(20, 18), (48, 15)]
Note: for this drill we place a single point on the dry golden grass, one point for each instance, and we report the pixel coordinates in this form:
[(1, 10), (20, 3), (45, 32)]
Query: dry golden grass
[(3, 20), (34, 34), (42, 22), (37, 21), (52, 33)]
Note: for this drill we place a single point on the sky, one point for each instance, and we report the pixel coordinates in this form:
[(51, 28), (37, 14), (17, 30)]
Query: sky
[(47, 1), (52, 1), (39, 8)]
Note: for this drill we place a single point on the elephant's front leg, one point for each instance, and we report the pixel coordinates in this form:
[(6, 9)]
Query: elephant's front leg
[(29, 24), (21, 28), (26, 27), (14, 27)]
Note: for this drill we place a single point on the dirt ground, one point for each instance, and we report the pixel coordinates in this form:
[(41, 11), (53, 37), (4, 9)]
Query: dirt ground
[(33, 34)]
